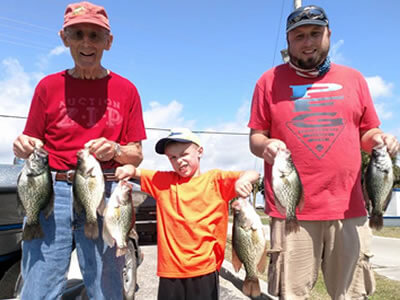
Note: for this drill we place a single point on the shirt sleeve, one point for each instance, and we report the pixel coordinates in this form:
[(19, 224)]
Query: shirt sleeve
[(369, 117), (259, 113), (135, 129), (226, 181), (36, 123)]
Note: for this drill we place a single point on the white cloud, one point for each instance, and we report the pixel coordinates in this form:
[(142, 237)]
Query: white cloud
[(378, 87), (381, 89), (44, 60), (335, 55), (58, 51), (383, 112), (224, 151), (16, 89)]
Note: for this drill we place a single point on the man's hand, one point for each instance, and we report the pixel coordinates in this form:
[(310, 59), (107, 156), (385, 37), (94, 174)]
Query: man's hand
[(271, 148), (389, 140), (103, 149), (24, 145), (263, 146)]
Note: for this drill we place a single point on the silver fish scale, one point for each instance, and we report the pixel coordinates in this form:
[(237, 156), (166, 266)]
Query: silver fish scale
[(35, 193), (123, 223), (89, 192), (379, 181), (289, 191), (245, 242)]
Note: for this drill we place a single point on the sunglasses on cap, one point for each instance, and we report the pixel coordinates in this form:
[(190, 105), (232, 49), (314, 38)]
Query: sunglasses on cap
[(93, 35), (308, 13)]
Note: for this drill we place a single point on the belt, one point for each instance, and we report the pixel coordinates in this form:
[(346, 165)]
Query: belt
[(68, 176)]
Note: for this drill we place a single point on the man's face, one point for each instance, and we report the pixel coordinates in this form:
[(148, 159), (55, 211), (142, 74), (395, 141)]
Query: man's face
[(184, 158), (308, 45), (86, 43)]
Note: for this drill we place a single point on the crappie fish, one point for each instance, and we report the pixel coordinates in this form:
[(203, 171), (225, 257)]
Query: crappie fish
[(35, 192), (89, 189), (119, 217), (377, 185), (249, 246), (287, 188)]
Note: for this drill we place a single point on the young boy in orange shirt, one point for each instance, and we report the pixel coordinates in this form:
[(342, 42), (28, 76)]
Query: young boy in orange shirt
[(192, 216)]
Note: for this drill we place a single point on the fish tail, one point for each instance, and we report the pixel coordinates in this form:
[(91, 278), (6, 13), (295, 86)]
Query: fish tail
[(91, 230), (292, 225), (251, 287), (32, 231), (376, 222)]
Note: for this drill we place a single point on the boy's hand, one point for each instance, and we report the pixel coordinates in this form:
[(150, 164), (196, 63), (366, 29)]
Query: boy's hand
[(125, 172), (243, 187)]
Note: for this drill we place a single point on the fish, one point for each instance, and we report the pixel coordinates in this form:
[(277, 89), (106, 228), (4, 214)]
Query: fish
[(287, 188), (35, 192), (119, 217), (88, 188), (378, 185), (249, 245)]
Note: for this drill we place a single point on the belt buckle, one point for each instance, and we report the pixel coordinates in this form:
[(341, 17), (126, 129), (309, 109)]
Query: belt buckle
[(70, 176)]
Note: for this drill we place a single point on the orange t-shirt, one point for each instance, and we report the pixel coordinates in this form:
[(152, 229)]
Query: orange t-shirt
[(192, 220)]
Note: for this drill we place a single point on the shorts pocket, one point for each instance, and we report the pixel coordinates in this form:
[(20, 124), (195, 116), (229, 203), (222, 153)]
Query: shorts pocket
[(275, 269)]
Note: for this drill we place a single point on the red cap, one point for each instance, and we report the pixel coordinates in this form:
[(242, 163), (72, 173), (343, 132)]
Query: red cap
[(86, 12)]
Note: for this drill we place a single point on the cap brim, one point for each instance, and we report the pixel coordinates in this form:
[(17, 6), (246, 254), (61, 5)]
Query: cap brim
[(307, 22), (86, 21), (160, 146)]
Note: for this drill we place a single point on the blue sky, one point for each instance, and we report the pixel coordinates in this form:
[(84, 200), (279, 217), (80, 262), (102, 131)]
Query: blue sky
[(195, 63)]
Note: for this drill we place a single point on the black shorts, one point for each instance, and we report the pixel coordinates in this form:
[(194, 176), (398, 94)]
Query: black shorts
[(205, 287)]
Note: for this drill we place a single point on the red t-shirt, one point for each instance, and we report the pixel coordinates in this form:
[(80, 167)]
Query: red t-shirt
[(192, 220), (66, 113), (320, 121)]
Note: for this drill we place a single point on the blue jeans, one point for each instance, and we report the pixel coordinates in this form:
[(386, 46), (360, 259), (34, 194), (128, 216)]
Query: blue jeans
[(45, 262)]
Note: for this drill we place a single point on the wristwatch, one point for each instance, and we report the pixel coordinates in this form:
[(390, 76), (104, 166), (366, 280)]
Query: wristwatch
[(117, 150)]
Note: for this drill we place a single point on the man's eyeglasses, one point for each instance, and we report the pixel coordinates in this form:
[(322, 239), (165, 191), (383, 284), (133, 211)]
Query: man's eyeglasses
[(309, 14), (79, 35)]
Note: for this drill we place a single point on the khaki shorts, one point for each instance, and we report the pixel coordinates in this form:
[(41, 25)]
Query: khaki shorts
[(340, 247)]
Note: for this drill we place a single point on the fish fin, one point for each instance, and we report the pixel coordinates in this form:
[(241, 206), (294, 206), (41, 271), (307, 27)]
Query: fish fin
[(20, 207), (251, 287), (102, 207), (133, 234), (387, 200), (50, 207), (366, 197), (301, 202), (91, 230), (376, 222), (280, 208), (77, 205), (121, 251), (236, 263), (262, 264), (108, 239), (292, 225), (32, 231)]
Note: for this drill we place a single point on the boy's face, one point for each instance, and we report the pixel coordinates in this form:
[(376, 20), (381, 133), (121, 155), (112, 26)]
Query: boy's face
[(184, 158)]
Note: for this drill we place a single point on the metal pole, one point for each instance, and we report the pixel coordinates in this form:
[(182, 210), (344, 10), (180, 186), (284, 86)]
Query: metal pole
[(296, 3)]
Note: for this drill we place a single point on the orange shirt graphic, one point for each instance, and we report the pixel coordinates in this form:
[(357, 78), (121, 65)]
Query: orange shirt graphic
[(192, 220)]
